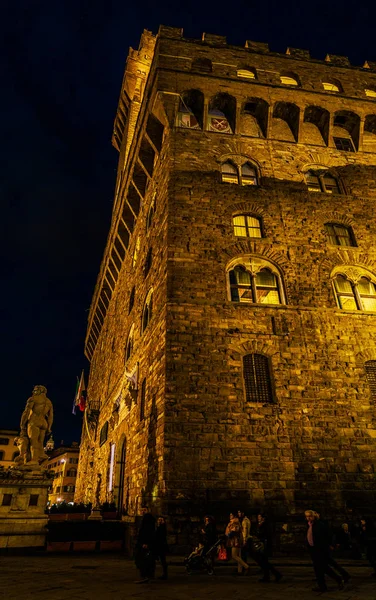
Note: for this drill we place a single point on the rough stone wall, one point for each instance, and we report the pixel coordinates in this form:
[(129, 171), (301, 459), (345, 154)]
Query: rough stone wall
[(200, 443)]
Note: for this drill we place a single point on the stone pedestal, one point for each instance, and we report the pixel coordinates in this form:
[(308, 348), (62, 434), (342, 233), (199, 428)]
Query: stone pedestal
[(23, 499)]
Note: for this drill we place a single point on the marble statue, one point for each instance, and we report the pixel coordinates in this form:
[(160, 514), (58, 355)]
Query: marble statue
[(36, 423)]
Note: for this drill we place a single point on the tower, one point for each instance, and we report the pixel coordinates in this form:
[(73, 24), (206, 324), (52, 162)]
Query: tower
[(232, 333)]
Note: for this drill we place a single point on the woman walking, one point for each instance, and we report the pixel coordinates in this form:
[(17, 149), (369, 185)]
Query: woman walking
[(235, 542)]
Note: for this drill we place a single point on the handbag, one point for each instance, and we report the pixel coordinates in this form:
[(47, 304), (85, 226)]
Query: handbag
[(222, 553)]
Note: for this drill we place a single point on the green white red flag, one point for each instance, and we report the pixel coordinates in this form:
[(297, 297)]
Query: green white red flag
[(80, 397)]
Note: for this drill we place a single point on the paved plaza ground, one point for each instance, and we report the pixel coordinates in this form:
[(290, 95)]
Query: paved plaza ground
[(111, 577)]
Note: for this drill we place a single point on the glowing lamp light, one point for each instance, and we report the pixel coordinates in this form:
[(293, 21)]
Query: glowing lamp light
[(59, 499)]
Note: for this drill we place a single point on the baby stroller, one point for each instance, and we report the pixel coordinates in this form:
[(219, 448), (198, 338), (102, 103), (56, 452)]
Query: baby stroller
[(199, 560)]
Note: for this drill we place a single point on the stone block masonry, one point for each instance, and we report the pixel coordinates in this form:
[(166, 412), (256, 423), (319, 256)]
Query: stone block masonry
[(225, 133)]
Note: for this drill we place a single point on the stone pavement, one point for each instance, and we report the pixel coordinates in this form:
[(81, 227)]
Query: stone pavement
[(111, 577)]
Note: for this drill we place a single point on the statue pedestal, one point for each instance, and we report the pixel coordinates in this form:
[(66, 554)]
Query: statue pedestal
[(23, 500)]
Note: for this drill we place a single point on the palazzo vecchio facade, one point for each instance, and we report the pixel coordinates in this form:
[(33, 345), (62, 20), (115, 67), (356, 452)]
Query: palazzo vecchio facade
[(232, 332)]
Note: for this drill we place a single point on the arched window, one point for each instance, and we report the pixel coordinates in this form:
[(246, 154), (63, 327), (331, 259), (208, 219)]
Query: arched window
[(246, 73), (332, 86), (254, 118), (143, 399), (289, 79), (148, 261), (191, 110), (318, 181), (229, 172), (355, 296), (315, 126), (131, 299), (255, 282), (285, 122), (148, 309), (346, 130), (257, 378), (221, 114), (370, 368), (247, 226), (340, 235), (151, 213), (370, 92), (129, 344), (245, 174)]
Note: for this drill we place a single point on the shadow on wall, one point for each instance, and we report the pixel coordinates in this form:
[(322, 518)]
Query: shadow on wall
[(150, 494)]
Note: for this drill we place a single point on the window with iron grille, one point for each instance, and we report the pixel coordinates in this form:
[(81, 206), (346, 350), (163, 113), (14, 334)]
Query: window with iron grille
[(257, 379), (370, 367)]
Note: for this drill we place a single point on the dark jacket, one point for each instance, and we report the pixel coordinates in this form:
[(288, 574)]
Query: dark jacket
[(146, 534), (321, 535), (210, 535)]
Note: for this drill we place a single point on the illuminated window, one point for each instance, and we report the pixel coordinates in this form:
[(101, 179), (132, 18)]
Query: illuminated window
[(370, 92), (243, 175), (289, 80), (229, 173), (344, 144), (247, 226), (148, 310), (246, 74), (330, 87), (136, 251), (257, 378), (322, 182), (370, 368), (129, 344), (339, 235), (131, 299), (355, 296), (142, 400), (255, 284)]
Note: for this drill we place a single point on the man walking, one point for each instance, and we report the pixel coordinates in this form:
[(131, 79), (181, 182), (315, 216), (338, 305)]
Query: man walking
[(318, 545)]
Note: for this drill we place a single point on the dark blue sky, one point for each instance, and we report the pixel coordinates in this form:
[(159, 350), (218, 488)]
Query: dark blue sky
[(61, 64)]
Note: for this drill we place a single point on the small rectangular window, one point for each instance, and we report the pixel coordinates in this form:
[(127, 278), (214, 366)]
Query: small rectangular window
[(4, 441), (33, 499), (7, 499), (256, 372), (103, 434)]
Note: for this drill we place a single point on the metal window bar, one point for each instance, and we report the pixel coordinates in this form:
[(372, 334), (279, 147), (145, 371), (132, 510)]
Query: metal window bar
[(370, 368), (258, 387)]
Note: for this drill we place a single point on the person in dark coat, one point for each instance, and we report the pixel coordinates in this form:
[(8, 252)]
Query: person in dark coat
[(264, 534), (368, 541), (260, 549), (161, 547), (209, 533), (145, 548), (318, 542)]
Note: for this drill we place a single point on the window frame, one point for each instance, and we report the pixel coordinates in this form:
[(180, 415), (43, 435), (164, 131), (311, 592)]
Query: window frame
[(253, 265), (241, 179), (348, 228), (246, 226), (321, 187), (355, 292), (148, 305), (371, 377), (254, 382), (340, 141)]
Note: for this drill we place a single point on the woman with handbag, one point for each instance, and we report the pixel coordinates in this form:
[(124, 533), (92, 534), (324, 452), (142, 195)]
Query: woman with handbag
[(235, 542)]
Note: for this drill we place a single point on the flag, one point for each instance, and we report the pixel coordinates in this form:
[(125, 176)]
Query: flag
[(80, 397)]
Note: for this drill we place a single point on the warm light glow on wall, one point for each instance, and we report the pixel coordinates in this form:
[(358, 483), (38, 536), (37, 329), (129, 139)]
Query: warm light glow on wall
[(111, 474)]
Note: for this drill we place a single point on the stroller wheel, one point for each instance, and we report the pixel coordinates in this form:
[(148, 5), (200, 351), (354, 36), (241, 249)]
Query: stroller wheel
[(210, 571)]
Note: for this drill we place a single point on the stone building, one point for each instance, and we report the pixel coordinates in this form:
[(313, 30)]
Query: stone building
[(63, 462), (8, 449), (232, 332)]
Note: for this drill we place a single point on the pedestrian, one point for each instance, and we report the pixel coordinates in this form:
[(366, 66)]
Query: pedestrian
[(246, 533), (331, 561), (161, 547), (145, 548), (264, 534), (368, 541), (235, 542), (209, 533), (318, 542)]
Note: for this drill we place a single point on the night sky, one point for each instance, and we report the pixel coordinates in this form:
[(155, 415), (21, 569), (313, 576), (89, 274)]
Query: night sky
[(61, 64)]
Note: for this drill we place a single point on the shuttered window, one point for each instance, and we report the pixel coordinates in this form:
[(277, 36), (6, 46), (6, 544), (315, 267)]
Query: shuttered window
[(370, 367), (257, 380)]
